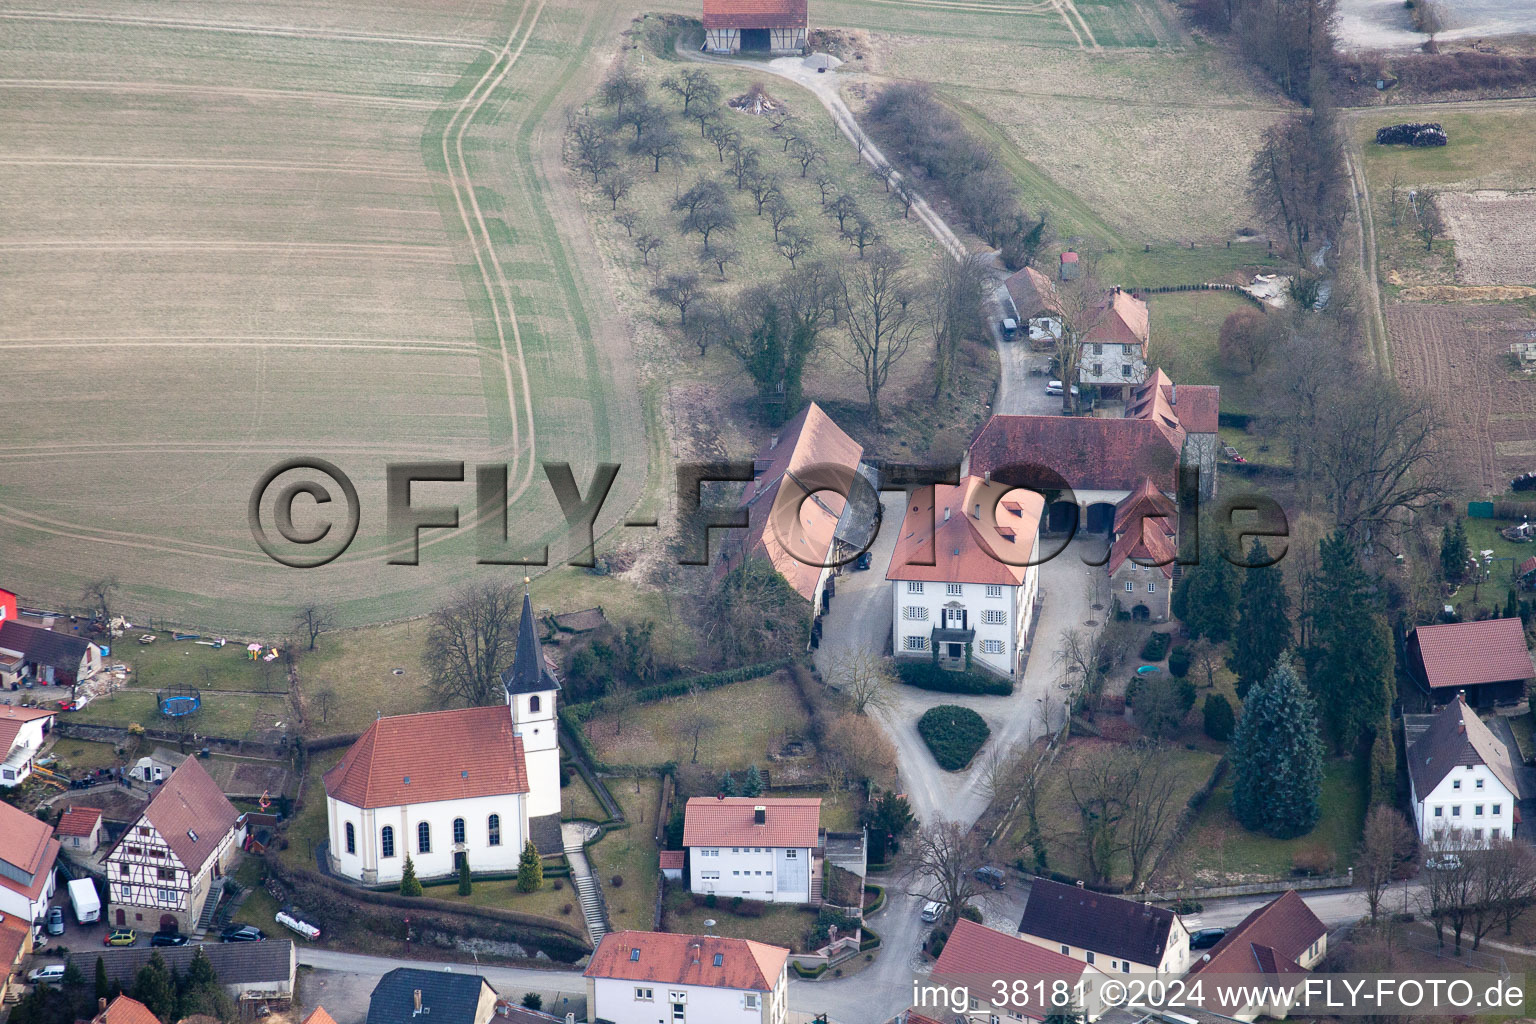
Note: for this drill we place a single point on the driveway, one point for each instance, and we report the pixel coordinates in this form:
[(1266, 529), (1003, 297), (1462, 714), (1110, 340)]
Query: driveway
[(860, 621)]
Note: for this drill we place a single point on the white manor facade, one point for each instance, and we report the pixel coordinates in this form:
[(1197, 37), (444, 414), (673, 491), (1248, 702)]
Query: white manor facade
[(1463, 782)]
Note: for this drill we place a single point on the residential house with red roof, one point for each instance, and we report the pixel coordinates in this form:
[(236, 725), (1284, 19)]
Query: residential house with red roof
[(1036, 306), (755, 26), (1116, 935), (167, 868), (645, 977), (123, 1010), (802, 504), (1114, 345), (441, 787), (22, 732), (79, 829), (15, 946), (1487, 660), (978, 959), (27, 855), (1282, 939), (1464, 782), (49, 657), (964, 588), (758, 848)]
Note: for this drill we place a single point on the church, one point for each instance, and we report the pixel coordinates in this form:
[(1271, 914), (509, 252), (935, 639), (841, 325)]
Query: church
[(444, 786)]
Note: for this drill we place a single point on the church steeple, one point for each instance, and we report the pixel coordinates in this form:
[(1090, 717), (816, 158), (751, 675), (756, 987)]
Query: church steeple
[(529, 673)]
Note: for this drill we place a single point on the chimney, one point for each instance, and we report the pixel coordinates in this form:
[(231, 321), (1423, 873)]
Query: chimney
[(760, 815), (696, 948), (101, 1004), (987, 477), (1080, 883), (1173, 394), (416, 999)]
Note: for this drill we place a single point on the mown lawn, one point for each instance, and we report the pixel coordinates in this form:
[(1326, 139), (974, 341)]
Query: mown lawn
[(229, 715), (1222, 850), (547, 901), (779, 925), (743, 722), (578, 801), (631, 854), (83, 755), (166, 662)]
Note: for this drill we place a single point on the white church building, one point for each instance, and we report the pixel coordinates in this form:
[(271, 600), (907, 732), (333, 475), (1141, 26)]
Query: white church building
[(469, 783)]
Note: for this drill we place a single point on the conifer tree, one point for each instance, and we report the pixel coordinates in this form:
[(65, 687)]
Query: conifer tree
[(1210, 595), (409, 885), (466, 884), (1277, 758), (1351, 665), (1453, 553), (1219, 721), (1383, 780), (153, 987), (754, 783), (530, 870), (1263, 622), (103, 986)]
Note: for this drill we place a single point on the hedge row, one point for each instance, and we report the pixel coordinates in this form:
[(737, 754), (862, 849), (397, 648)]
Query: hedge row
[(954, 734), (925, 675), (678, 687)]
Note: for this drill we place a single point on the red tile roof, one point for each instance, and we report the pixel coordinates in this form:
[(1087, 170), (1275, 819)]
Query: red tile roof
[(24, 840), (1087, 452), (13, 939), (755, 14), (942, 526), (78, 821), (319, 1016), (977, 957), (1032, 293), (124, 1010), (914, 1017), (1146, 530), (808, 460), (672, 860), (1120, 318), (671, 959), (1270, 941), (791, 822), (192, 814), (11, 721), (1468, 653), (438, 755), (1198, 406)]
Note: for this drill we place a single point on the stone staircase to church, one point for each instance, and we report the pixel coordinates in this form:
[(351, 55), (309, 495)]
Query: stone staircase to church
[(588, 890)]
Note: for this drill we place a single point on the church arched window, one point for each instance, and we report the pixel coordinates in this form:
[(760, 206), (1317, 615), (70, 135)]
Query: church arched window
[(493, 826), (533, 705), (458, 831), (387, 842), (423, 838), (351, 838)]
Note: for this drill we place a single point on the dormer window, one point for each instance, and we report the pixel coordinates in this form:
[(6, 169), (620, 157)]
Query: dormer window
[(634, 954), (719, 959)]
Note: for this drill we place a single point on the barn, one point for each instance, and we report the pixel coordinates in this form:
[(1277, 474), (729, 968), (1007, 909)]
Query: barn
[(754, 26)]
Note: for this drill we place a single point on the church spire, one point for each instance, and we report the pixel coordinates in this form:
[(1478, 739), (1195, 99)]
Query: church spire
[(529, 672)]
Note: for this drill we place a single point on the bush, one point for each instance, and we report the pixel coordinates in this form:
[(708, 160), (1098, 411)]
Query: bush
[(1219, 720), (1313, 861), (954, 734), (1178, 662), (533, 1001), (566, 910), (559, 885), (617, 881), (1155, 647), (1239, 332), (925, 675)]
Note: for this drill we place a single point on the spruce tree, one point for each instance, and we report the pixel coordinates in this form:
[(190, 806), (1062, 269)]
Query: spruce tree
[(530, 870), (1263, 622), (1350, 669), (466, 885), (727, 784), (1209, 604), (153, 987), (1277, 758), (409, 885), (754, 783), (103, 986), (1511, 605)]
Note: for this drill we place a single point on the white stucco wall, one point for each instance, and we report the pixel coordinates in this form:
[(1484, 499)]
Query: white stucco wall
[(368, 865), (541, 750), (1468, 798), (915, 615), (753, 873), (616, 1001)]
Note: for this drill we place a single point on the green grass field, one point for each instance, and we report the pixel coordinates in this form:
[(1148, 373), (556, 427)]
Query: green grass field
[(631, 854), (746, 721), (166, 662), (227, 715)]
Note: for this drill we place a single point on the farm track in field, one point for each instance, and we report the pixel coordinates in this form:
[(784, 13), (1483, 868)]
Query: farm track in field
[(239, 28)]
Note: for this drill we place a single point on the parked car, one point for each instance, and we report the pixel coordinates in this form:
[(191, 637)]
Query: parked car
[(1443, 862), (167, 939), (242, 933), (862, 562), (1205, 938), (992, 876), (931, 911), (56, 921), (1053, 388), (50, 973), (121, 937)]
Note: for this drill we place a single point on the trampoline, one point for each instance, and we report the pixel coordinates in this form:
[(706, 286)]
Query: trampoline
[(179, 701)]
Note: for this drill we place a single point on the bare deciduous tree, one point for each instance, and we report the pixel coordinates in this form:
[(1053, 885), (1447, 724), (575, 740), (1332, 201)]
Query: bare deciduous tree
[(647, 242), (945, 856), (808, 154), (679, 289), (1386, 844), (692, 84), (719, 256), (780, 212), (325, 702), (864, 678), (794, 243), (470, 641), (312, 620), (881, 317), (627, 219), (957, 290), (858, 749), (98, 594), (588, 145), (616, 184), (622, 87)]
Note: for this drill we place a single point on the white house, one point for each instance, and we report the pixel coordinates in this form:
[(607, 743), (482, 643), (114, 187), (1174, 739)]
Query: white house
[(1114, 346), (650, 977), (1283, 940), (758, 848), (978, 958), (439, 787), (27, 855), (961, 582), (162, 871), (79, 829), (1463, 781), (1118, 936), (22, 731)]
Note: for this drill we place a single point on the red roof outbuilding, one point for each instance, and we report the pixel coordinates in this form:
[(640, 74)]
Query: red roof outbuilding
[(755, 14), (1460, 654), (78, 821)]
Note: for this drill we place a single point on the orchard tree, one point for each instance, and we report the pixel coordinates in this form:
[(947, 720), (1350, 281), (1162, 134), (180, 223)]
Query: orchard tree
[(1277, 758)]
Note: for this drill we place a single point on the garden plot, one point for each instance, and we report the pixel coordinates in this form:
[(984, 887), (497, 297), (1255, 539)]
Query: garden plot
[(1495, 235)]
